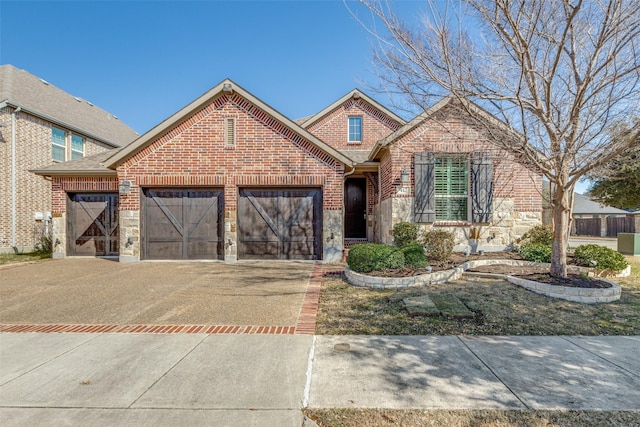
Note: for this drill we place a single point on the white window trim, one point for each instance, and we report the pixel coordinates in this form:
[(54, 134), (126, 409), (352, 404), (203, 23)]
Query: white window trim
[(349, 140)]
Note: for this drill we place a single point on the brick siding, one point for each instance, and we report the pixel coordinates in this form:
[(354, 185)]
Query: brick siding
[(447, 133), (333, 128), (266, 153), (33, 150)]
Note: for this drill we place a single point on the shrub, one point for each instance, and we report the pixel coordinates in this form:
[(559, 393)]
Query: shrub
[(44, 246), (605, 258), (535, 252), (368, 257), (438, 244), (540, 234), (414, 256), (405, 233)]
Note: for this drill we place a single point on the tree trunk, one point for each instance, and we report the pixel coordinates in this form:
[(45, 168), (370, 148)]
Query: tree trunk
[(561, 216)]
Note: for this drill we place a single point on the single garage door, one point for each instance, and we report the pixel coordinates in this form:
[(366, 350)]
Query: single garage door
[(182, 224), (280, 224), (93, 224)]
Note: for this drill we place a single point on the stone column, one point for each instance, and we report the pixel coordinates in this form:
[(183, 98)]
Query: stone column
[(129, 225), (230, 236), (59, 235), (332, 237)]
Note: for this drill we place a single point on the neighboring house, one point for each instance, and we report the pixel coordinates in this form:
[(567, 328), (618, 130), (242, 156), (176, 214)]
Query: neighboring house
[(228, 177), (41, 124), (593, 219)]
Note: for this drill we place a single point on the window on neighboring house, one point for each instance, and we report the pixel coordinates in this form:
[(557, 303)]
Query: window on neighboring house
[(65, 146), (230, 131), (452, 188), (443, 183), (58, 144), (77, 146), (355, 129)]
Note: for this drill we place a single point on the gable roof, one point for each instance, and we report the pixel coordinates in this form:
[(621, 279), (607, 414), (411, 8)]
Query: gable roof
[(226, 86), (20, 89), (305, 122), (420, 118), (583, 205)]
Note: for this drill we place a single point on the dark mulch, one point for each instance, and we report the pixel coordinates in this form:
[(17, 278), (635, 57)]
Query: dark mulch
[(535, 273), (572, 280)]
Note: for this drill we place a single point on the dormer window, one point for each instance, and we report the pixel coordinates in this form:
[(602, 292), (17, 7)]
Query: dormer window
[(355, 129)]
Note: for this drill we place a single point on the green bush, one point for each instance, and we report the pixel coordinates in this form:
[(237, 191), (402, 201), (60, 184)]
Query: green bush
[(405, 233), (438, 244), (540, 234), (535, 252), (605, 258), (414, 256), (368, 257)]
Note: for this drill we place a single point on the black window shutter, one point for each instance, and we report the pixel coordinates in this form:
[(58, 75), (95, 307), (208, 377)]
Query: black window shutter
[(424, 187), (482, 182)]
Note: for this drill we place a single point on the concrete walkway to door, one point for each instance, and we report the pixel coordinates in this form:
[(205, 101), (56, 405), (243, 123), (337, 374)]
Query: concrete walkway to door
[(90, 291)]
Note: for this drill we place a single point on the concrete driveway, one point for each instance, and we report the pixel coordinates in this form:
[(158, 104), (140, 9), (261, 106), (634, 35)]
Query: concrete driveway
[(100, 291)]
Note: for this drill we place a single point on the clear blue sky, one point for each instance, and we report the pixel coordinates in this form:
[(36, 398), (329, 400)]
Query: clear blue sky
[(143, 61)]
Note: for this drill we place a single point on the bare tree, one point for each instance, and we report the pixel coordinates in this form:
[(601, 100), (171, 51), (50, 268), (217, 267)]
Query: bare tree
[(559, 73)]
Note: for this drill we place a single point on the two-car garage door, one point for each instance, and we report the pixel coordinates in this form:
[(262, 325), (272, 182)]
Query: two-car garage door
[(272, 224)]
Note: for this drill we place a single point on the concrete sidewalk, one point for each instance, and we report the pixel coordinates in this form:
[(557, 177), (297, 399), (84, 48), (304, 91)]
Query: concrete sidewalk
[(243, 380)]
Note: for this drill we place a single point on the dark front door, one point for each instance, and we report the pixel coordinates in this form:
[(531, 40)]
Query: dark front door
[(93, 224), (182, 224), (355, 201), (280, 224)]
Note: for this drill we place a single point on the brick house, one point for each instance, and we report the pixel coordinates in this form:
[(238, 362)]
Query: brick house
[(41, 124), (228, 177)]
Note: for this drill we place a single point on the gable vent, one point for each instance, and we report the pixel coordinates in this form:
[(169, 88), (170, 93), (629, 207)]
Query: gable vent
[(230, 131)]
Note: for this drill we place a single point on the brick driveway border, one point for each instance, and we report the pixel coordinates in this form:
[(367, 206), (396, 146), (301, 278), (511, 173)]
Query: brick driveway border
[(88, 295)]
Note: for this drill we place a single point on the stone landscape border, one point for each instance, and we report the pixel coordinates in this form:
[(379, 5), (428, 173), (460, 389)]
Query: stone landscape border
[(582, 295)]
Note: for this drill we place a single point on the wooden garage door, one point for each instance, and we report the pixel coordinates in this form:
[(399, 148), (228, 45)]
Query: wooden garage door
[(280, 224), (182, 224), (93, 224)]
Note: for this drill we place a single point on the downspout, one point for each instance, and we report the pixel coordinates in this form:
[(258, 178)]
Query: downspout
[(13, 180)]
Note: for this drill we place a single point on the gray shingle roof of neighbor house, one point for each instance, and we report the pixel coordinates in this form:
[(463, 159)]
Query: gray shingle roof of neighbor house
[(18, 88), (583, 205)]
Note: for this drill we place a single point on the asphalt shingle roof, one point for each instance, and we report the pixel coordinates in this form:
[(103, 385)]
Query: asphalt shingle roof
[(20, 88)]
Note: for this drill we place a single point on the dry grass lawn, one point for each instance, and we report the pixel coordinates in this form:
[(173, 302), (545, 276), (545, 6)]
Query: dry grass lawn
[(499, 308), (469, 418)]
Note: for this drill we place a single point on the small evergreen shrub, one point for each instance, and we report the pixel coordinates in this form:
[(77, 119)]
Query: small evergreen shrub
[(535, 252), (540, 234), (405, 233), (368, 257), (605, 258), (44, 246), (438, 244), (414, 256)]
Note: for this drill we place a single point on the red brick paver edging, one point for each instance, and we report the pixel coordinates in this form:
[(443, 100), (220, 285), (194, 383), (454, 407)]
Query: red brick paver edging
[(307, 318), (153, 329), (306, 324)]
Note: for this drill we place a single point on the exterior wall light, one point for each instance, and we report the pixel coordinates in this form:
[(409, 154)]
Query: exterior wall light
[(404, 177)]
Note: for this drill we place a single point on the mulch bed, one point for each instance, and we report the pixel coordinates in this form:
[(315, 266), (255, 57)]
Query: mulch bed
[(535, 273)]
